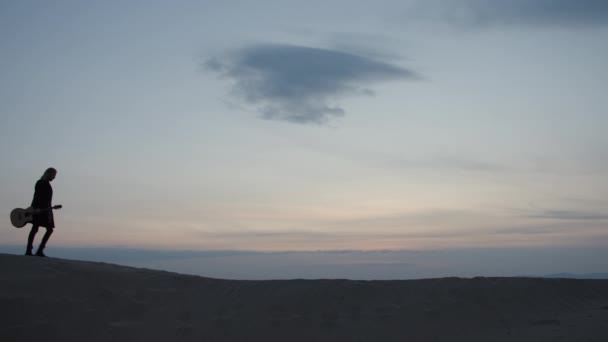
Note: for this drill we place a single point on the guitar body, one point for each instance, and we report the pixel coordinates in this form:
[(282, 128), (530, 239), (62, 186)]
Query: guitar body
[(20, 217)]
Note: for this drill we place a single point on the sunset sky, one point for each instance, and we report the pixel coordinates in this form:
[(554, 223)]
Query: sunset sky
[(308, 125)]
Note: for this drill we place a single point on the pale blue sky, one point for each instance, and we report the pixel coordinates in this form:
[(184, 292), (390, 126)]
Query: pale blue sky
[(283, 125)]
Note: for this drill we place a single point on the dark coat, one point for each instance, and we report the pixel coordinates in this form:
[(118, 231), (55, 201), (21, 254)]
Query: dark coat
[(43, 196)]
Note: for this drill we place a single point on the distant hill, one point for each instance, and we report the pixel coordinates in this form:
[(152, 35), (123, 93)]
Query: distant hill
[(578, 276), (50, 299)]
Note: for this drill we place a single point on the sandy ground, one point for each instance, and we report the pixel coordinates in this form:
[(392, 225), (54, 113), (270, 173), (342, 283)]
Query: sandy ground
[(47, 299)]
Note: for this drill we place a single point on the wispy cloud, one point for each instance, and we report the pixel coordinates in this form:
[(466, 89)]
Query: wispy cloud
[(302, 84), (571, 215), (534, 230), (547, 13), (442, 162)]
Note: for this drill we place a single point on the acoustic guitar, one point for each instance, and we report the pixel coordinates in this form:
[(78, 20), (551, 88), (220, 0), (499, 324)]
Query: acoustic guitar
[(20, 217)]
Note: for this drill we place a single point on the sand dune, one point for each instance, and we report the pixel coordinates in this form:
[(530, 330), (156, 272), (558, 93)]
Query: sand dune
[(66, 300)]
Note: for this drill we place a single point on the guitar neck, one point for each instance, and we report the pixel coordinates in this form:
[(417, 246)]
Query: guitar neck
[(49, 209)]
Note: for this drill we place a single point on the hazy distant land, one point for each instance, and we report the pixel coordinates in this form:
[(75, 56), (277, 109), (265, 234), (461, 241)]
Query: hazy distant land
[(582, 263)]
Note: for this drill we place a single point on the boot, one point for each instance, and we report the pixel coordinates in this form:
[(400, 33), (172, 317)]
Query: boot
[(30, 240), (45, 238)]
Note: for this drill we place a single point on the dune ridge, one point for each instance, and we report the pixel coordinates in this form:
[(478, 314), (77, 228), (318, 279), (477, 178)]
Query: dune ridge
[(49, 299)]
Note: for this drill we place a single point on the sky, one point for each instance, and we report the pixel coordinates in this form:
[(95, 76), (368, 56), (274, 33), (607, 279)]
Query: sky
[(304, 126)]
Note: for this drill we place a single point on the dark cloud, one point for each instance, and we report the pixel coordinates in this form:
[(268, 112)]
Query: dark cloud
[(561, 13), (301, 84)]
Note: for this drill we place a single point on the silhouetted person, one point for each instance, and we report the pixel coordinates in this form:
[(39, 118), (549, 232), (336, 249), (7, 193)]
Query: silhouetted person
[(43, 196)]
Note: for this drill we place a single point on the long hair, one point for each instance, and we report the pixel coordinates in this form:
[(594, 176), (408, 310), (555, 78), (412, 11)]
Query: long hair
[(49, 171)]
